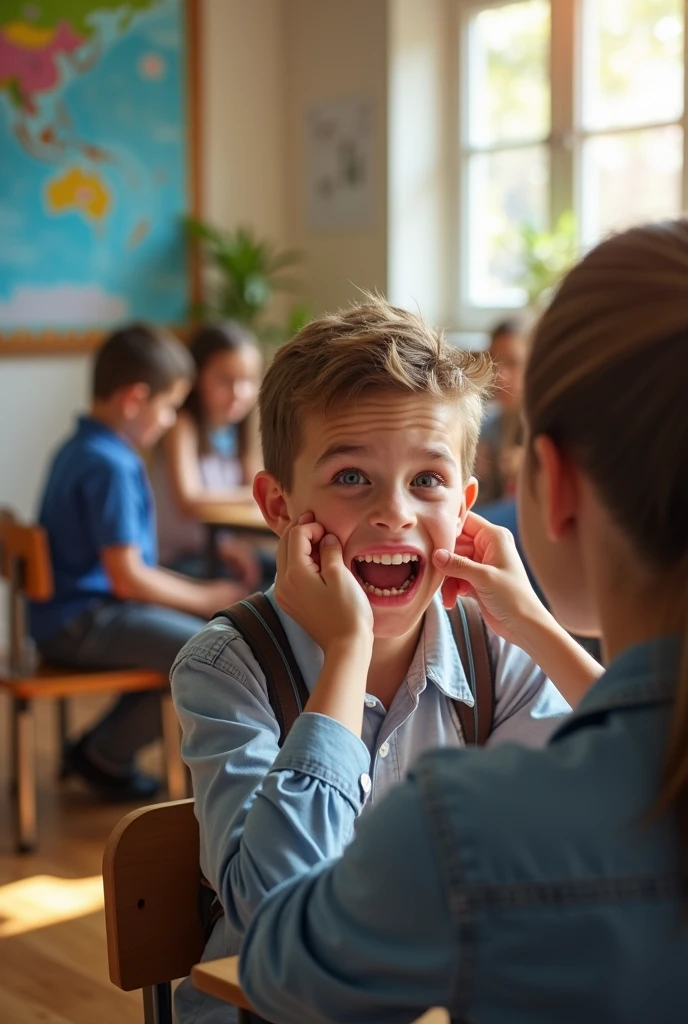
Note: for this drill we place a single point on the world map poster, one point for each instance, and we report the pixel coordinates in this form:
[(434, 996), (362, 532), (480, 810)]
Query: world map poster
[(94, 169)]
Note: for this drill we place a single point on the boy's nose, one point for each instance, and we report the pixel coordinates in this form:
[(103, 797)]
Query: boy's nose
[(393, 514)]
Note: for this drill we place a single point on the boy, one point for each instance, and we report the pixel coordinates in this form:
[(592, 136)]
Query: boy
[(112, 606), (369, 422)]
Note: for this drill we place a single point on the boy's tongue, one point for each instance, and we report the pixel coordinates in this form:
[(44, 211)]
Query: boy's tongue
[(384, 577)]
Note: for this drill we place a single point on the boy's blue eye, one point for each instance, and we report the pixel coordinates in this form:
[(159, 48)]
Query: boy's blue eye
[(426, 480), (351, 478)]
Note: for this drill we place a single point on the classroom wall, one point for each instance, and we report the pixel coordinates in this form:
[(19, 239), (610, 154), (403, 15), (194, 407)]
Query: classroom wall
[(336, 50)]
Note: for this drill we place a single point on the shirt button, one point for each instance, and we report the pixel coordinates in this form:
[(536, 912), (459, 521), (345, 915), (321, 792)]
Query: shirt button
[(384, 750), (370, 702), (366, 784)]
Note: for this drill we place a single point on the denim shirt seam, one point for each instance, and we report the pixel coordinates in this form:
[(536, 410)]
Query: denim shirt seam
[(463, 910)]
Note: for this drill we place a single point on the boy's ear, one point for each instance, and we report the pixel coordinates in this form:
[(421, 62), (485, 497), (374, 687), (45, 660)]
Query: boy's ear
[(132, 398), (470, 496), (271, 500)]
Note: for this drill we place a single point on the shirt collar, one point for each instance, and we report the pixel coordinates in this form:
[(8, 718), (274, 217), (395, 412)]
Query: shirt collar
[(309, 657), (89, 425), (643, 674), (436, 659)]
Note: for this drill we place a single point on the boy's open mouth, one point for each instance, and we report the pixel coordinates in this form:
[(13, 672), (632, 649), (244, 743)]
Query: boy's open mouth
[(388, 574)]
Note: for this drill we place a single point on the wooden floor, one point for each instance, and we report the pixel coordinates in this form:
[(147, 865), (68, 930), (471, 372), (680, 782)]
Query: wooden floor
[(53, 966)]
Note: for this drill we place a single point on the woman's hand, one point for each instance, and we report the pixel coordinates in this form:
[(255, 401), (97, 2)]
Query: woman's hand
[(316, 588), (486, 565)]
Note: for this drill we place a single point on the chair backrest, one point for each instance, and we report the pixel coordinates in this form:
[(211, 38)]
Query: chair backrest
[(151, 879), (25, 564), (25, 557)]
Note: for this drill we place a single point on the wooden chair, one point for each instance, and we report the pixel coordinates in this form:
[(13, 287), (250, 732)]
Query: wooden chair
[(25, 565), (151, 879)]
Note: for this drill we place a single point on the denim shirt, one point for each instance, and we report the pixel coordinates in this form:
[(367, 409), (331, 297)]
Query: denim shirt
[(507, 885), (230, 743)]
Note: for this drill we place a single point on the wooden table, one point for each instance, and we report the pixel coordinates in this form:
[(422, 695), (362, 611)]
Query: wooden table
[(220, 978), (239, 518)]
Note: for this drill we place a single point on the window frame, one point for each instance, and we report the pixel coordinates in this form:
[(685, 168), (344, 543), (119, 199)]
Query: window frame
[(565, 141)]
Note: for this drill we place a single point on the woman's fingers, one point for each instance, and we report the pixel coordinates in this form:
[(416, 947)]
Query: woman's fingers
[(459, 567)]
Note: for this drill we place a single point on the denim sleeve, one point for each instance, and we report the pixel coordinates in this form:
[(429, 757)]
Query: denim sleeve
[(368, 937), (528, 706), (109, 500), (264, 815)]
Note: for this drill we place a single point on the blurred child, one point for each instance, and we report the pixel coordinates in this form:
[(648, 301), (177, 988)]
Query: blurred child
[(113, 608), (501, 443), (212, 453)]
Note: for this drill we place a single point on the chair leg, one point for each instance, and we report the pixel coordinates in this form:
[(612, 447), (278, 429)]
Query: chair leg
[(157, 1004), (62, 733), (25, 774), (171, 739), (13, 749)]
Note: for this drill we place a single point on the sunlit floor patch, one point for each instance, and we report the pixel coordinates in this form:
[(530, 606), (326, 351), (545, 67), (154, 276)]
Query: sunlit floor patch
[(44, 900)]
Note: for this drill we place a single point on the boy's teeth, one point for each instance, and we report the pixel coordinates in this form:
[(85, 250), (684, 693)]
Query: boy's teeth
[(396, 559), (392, 592)]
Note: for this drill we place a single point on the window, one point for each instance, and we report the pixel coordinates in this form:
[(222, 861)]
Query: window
[(570, 104)]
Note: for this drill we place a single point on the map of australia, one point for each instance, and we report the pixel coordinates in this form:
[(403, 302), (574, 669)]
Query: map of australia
[(92, 163)]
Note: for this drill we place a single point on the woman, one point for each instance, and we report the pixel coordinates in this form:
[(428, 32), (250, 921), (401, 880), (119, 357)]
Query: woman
[(508, 884)]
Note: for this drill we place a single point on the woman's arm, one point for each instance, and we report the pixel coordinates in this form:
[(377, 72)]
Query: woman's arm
[(370, 937), (180, 450), (486, 566)]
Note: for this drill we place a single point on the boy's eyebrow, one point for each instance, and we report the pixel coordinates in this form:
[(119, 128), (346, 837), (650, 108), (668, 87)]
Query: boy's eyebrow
[(435, 453), (335, 450)]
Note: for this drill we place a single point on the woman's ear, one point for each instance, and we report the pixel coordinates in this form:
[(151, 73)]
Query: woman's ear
[(470, 496), (558, 488), (271, 500)]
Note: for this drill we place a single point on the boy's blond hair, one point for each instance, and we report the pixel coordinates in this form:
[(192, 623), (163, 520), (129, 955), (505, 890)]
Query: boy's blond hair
[(371, 346)]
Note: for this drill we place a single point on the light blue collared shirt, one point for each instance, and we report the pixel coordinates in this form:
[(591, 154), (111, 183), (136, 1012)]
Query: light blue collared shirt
[(230, 743), (511, 886)]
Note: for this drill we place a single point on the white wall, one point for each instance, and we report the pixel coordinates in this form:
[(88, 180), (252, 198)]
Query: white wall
[(336, 49), (421, 102)]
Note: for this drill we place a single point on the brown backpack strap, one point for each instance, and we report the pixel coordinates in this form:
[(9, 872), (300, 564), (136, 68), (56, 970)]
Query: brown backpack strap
[(471, 640), (258, 622)]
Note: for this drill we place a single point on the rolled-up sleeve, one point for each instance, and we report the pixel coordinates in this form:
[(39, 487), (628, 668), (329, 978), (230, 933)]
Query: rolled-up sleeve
[(368, 937), (264, 815)]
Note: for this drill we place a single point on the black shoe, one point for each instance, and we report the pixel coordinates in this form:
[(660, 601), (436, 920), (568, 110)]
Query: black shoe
[(109, 786)]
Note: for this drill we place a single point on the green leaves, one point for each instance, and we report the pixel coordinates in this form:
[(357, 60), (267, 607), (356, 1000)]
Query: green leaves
[(247, 273), (546, 256)]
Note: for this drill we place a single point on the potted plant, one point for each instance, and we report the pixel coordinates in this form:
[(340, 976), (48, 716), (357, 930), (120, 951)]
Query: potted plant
[(245, 275)]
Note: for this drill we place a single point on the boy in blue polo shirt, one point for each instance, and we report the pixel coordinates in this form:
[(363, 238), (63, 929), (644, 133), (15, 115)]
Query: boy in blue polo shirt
[(112, 606)]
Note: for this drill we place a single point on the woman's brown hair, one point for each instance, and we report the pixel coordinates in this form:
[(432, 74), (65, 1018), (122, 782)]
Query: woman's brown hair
[(608, 381)]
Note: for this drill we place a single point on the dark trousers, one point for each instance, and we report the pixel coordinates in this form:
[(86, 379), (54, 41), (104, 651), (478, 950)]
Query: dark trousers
[(119, 635)]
